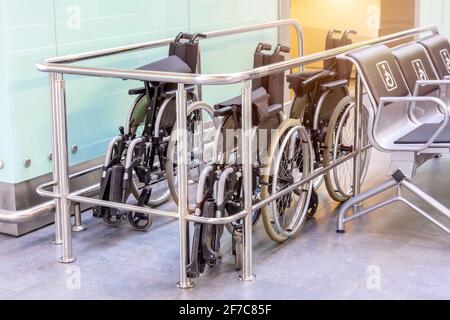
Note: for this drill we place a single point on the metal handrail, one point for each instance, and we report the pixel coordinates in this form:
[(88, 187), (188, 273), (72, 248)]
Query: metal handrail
[(220, 79), (161, 43), (57, 69)]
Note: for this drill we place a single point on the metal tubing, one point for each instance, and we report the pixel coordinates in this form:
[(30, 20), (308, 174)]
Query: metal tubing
[(427, 198), (223, 79), (183, 205), (78, 226), (63, 164), (358, 131), (164, 42), (361, 197), (377, 206), (7, 216), (247, 169), (121, 206), (40, 190), (55, 156), (426, 215), (315, 175)]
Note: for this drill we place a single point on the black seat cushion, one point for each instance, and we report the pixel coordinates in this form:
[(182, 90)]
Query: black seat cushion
[(169, 64), (415, 64), (380, 69), (258, 96), (423, 133), (296, 80), (438, 48)]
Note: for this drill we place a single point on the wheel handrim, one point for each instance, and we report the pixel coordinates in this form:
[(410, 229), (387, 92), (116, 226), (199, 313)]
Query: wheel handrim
[(291, 221)]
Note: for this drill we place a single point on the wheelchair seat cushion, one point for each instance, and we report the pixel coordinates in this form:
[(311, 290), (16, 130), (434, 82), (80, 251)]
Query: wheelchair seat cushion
[(261, 109), (381, 72), (438, 48), (296, 80), (259, 96), (423, 133), (416, 65), (169, 64)]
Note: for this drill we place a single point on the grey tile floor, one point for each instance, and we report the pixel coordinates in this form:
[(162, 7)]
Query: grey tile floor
[(391, 254)]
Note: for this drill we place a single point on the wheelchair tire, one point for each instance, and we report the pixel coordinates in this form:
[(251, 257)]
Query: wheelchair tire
[(339, 181), (140, 221), (171, 170), (287, 148)]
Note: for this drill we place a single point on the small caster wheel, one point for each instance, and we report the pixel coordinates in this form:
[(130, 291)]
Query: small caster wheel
[(313, 205), (140, 221), (113, 218)]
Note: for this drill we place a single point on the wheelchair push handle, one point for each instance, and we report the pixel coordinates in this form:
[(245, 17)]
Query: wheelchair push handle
[(263, 47), (189, 36), (198, 36), (332, 32), (282, 49), (183, 36), (348, 33)]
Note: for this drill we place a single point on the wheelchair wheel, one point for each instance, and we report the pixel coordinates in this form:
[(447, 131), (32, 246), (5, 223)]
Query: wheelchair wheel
[(137, 116), (140, 221), (339, 142), (290, 160), (135, 126), (236, 226), (160, 192), (201, 126)]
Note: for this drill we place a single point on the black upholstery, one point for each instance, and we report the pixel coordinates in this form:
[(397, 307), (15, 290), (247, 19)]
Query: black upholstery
[(334, 85), (380, 69), (416, 65), (169, 64), (423, 133), (438, 48), (259, 96), (274, 83), (296, 80), (186, 51)]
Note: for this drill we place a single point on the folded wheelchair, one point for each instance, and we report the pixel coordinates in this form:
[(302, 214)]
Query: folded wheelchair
[(324, 106), (281, 157), (135, 162), (408, 87)]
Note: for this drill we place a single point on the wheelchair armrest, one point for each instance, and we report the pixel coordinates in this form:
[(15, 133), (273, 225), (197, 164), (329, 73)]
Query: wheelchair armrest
[(334, 85), (269, 112), (439, 84), (419, 146), (224, 111), (320, 75), (133, 92)]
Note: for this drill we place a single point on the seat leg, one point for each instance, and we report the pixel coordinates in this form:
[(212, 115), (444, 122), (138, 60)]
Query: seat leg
[(342, 219), (398, 180)]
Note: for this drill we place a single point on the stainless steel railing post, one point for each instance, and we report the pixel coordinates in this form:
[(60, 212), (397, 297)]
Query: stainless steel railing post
[(63, 170), (247, 168), (53, 77), (78, 225), (183, 206), (358, 131)]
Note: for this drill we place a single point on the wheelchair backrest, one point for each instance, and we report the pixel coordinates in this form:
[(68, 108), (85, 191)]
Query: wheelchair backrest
[(274, 83), (186, 51), (382, 75), (331, 42), (342, 68), (438, 48), (415, 64)]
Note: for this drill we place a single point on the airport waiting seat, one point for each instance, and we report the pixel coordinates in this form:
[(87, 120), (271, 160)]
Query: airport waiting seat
[(410, 127)]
